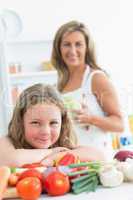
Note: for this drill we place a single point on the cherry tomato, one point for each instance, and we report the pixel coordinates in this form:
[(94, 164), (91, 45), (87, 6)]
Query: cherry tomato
[(31, 173), (56, 183), (29, 188)]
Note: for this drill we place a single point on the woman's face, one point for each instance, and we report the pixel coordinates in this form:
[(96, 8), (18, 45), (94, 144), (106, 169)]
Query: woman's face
[(42, 125), (73, 49)]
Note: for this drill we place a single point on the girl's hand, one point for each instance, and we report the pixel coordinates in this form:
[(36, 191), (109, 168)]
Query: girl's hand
[(50, 159), (59, 149), (54, 155)]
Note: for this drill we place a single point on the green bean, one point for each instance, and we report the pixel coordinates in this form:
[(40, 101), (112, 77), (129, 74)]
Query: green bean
[(90, 186), (78, 179), (84, 164), (81, 184), (78, 172)]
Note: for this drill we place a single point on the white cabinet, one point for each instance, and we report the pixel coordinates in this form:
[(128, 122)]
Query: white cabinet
[(29, 55)]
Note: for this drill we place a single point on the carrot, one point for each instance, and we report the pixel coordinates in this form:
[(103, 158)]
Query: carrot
[(11, 192), (4, 176)]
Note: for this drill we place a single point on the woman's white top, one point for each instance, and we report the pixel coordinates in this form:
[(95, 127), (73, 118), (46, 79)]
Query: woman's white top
[(93, 136)]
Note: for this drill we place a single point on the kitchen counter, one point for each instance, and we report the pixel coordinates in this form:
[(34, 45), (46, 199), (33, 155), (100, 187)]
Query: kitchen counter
[(122, 192)]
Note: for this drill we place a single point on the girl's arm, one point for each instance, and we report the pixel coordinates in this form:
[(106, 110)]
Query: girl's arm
[(17, 157), (88, 153), (84, 153)]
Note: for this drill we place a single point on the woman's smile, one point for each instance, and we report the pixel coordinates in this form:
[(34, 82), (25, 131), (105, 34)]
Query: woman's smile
[(73, 49)]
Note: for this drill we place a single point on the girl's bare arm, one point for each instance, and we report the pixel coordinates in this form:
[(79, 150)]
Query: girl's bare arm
[(17, 157), (84, 153), (88, 153)]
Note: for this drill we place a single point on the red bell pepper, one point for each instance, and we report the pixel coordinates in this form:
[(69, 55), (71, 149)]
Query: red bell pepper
[(67, 159), (32, 165)]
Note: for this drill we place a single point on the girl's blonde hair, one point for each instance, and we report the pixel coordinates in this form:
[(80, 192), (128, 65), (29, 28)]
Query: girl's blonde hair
[(39, 93), (56, 59)]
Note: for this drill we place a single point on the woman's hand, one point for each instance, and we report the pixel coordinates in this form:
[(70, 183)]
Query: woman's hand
[(82, 117)]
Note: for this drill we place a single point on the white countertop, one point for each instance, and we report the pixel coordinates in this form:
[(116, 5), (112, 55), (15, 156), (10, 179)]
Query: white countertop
[(123, 192)]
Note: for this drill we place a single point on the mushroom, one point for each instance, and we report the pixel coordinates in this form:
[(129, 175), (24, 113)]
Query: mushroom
[(111, 176), (127, 169)]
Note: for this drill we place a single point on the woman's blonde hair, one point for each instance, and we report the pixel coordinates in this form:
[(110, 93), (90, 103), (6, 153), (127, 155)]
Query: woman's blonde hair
[(56, 59), (39, 93)]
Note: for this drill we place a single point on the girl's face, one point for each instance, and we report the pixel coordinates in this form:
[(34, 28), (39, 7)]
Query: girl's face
[(42, 125), (73, 49)]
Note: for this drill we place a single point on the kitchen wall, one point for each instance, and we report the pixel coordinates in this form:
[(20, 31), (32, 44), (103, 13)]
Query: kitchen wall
[(109, 22), (2, 125)]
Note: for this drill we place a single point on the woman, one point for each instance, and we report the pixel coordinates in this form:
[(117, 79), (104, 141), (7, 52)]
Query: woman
[(80, 77)]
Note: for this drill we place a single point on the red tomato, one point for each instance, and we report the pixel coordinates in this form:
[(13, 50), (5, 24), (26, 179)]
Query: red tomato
[(56, 183), (29, 188), (31, 173)]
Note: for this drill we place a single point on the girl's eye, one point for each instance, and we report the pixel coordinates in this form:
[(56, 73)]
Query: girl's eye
[(54, 123), (35, 122)]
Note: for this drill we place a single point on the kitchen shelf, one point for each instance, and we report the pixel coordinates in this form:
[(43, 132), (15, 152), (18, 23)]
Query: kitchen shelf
[(42, 76), (30, 54), (25, 39)]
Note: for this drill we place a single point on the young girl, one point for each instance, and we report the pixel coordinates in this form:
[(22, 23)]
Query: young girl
[(39, 128)]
